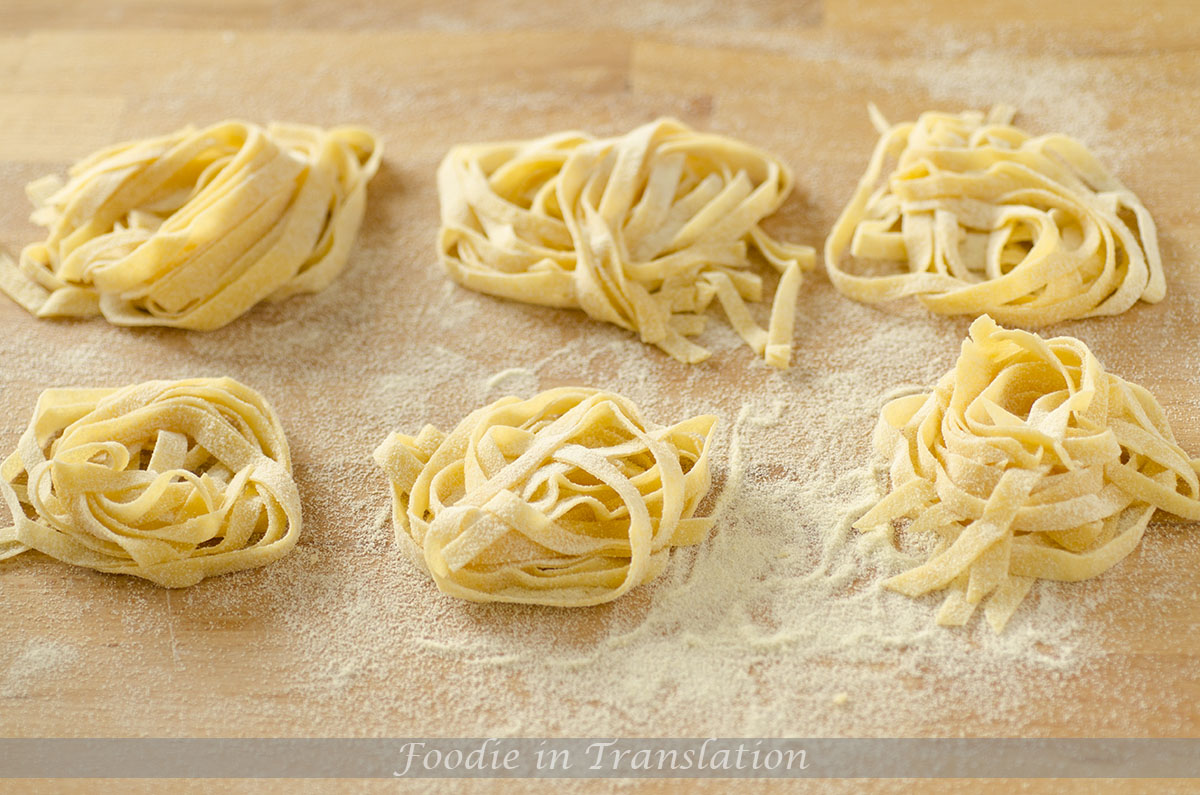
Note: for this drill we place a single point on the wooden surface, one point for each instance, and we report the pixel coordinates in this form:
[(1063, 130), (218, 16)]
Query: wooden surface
[(792, 77)]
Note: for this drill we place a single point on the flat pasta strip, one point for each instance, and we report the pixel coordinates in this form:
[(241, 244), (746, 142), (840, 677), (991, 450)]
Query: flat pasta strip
[(171, 481), (194, 228), (642, 230), (568, 498), (1027, 461), (977, 216)]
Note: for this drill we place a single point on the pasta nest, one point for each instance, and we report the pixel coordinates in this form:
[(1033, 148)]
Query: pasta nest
[(977, 216), (642, 230), (568, 498), (1027, 461), (168, 481), (193, 228)]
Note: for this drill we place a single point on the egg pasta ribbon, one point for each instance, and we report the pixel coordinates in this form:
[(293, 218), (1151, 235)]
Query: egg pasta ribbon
[(1027, 461), (977, 216), (568, 498), (171, 481), (642, 230), (193, 228)]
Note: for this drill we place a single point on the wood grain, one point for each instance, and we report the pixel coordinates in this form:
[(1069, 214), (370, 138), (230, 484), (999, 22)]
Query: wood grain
[(792, 77)]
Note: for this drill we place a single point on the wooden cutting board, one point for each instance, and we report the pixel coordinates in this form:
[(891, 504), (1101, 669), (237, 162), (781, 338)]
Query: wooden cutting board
[(794, 78)]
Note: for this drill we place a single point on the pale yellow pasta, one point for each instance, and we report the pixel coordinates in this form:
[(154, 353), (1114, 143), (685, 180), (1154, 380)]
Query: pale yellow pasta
[(568, 498), (193, 228), (976, 216), (642, 230), (1026, 461), (169, 481)]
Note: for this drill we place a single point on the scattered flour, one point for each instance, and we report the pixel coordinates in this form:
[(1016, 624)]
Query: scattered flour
[(775, 626), (34, 662)]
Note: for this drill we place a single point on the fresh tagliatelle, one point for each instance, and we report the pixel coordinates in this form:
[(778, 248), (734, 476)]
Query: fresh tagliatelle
[(1027, 461), (169, 481), (642, 230), (977, 216), (568, 498), (194, 228)]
